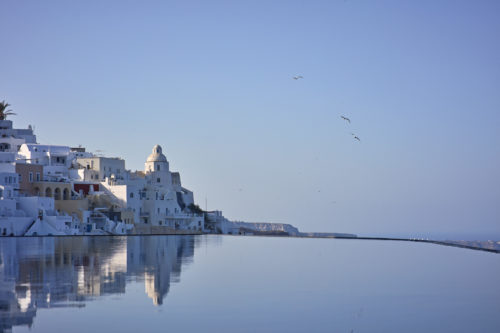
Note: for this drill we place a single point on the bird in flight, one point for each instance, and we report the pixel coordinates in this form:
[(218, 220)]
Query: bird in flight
[(346, 119), (357, 138), (298, 77)]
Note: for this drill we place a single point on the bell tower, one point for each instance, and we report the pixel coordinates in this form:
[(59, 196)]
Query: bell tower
[(157, 168)]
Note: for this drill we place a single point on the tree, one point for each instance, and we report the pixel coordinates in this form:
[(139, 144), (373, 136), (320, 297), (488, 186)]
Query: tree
[(4, 112), (195, 209)]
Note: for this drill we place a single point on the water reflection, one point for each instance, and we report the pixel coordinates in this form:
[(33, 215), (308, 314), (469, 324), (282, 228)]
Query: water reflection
[(65, 272)]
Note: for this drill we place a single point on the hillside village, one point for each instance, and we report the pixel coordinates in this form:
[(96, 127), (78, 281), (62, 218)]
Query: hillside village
[(62, 190), (55, 190)]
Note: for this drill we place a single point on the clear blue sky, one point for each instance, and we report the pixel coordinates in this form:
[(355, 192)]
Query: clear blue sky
[(211, 81)]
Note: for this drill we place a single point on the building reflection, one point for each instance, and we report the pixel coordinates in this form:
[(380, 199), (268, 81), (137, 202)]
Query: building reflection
[(158, 261), (68, 271)]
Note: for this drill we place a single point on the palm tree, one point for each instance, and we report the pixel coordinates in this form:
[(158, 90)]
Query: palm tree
[(4, 112)]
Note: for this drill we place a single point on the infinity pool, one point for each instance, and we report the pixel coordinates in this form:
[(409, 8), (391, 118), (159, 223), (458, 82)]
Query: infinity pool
[(244, 284)]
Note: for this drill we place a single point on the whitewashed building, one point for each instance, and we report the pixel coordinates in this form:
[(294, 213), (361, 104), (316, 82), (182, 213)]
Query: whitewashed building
[(56, 160), (102, 167), (11, 139), (58, 190), (156, 197)]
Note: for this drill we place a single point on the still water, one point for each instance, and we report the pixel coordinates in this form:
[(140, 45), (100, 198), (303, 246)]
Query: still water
[(244, 284)]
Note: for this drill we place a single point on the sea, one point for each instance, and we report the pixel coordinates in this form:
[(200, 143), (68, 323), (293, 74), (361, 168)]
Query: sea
[(214, 283)]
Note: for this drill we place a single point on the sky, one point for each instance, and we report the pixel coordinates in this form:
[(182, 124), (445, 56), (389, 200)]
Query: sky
[(211, 82)]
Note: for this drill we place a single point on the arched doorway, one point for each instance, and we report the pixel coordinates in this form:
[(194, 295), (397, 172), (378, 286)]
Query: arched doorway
[(36, 190), (65, 194), (57, 194), (48, 192)]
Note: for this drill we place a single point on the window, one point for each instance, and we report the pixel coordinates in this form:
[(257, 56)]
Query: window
[(31, 177), (157, 180), (38, 176), (20, 178), (131, 195), (158, 167)]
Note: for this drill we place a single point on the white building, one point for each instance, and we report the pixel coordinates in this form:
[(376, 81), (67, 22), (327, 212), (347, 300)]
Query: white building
[(102, 167), (55, 159), (157, 198), (11, 139), (93, 194), (8, 175)]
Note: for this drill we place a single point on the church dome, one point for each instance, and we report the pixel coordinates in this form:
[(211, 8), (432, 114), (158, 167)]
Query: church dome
[(157, 155)]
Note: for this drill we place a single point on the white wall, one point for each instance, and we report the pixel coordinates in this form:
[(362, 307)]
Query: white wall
[(118, 192), (9, 179), (105, 166), (14, 143), (14, 225), (31, 205), (7, 167), (7, 162), (112, 166), (83, 175), (7, 207), (34, 152), (55, 171)]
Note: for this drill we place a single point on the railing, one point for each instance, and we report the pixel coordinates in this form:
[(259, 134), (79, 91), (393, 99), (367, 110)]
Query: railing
[(29, 227), (57, 178)]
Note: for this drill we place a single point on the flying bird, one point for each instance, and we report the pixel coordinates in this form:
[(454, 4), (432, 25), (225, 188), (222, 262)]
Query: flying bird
[(346, 119), (298, 77), (357, 138)]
